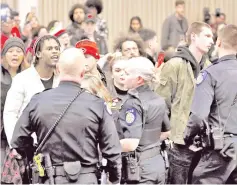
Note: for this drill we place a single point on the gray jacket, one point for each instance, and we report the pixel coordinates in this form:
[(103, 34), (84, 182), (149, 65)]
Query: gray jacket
[(173, 32)]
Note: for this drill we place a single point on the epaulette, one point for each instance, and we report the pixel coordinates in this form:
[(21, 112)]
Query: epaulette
[(214, 63), (47, 89)]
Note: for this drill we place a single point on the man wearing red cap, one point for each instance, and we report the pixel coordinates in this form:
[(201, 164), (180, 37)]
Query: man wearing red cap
[(92, 54)]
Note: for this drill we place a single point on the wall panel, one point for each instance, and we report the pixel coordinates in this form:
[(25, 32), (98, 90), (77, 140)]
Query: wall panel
[(118, 12)]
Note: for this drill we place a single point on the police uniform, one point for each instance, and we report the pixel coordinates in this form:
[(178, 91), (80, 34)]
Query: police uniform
[(215, 102), (87, 122), (143, 116)]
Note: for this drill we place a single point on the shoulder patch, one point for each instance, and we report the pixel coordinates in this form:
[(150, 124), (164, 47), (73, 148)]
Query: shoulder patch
[(130, 116), (108, 109), (201, 77)]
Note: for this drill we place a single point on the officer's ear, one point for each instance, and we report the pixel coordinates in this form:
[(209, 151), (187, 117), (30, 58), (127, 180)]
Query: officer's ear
[(82, 73), (218, 43), (140, 80)]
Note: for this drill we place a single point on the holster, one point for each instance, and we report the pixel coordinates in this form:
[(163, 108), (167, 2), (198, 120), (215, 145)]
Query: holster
[(49, 168), (166, 159), (131, 168), (35, 175), (37, 169), (72, 170)]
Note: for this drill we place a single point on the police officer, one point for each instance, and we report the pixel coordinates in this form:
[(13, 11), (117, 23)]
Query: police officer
[(72, 145), (141, 119), (215, 102)]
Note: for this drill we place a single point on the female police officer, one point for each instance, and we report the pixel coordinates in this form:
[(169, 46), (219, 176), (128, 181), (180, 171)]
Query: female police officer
[(141, 119)]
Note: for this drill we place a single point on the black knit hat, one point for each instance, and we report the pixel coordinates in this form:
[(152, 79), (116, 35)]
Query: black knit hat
[(12, 42)]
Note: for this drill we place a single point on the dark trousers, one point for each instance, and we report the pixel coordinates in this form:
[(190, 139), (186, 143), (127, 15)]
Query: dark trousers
[(180, 158), (213, 168), (152, 170)]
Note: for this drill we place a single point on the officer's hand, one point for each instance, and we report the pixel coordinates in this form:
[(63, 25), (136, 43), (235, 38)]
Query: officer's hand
[(195, 148), (228, 150), (15, 154)]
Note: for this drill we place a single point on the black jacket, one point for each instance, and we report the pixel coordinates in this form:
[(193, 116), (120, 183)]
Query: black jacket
[(6, 81), (86, 124)]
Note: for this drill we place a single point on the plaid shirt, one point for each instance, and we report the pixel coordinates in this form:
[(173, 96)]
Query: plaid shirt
[(101, 27)]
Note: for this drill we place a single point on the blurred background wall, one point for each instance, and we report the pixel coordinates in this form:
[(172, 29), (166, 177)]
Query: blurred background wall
[(117, 13)]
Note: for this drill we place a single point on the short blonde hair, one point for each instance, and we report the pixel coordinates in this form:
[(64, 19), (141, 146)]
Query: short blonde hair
[(195, 27), (228, 37)]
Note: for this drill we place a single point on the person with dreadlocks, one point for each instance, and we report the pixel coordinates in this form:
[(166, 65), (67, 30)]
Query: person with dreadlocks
[(35, 79)]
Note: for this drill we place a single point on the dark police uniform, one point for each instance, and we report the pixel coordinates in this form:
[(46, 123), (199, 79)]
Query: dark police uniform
[(119, 97), (87, 122), (214, 101), (143, 105)]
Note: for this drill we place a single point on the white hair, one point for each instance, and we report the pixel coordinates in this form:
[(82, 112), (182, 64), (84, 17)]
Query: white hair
[(143, 67)]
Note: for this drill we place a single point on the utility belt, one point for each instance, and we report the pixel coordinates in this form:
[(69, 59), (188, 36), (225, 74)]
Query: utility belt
[(42, 169), (211, 138), (131, 163)]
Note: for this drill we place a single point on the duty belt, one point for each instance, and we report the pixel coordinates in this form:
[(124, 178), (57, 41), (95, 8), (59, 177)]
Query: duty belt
[(59, 170), (149, 153)]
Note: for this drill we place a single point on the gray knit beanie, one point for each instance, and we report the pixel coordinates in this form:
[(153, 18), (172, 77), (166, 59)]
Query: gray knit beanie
[(12, 42)]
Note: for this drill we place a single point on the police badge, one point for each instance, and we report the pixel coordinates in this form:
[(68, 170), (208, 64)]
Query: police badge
[(130, 116), (201, 77), (108, 109)]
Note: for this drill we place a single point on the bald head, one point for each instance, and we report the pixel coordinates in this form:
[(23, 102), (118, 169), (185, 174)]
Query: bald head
[(71, 63)]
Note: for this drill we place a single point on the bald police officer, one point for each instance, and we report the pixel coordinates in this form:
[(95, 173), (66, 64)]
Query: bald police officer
[(215, 102), (141, 118), (72, 145)]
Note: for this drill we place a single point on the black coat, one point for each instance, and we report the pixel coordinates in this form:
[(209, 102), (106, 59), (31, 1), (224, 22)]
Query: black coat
[(6, 81)]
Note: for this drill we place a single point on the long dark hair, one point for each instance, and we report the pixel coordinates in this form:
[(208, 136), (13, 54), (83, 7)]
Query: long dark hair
[(131, 20)]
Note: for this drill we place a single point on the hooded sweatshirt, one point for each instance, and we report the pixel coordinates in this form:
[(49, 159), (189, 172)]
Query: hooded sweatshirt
[(184, 53)]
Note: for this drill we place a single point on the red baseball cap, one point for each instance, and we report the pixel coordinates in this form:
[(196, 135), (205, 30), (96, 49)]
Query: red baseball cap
[(88, 47)]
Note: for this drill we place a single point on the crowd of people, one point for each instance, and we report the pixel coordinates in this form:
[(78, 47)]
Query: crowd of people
[(73, 112)]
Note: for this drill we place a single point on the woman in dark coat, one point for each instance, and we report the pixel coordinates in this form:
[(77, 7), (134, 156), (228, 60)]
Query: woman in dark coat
[(13, 62)]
